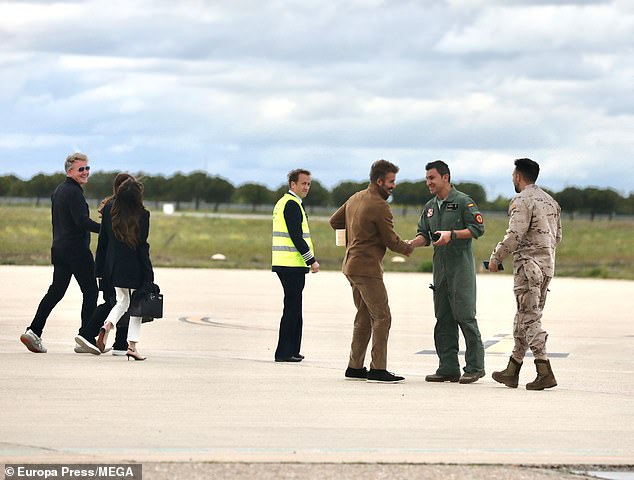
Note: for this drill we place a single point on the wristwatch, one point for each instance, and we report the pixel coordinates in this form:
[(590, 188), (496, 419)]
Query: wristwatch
[(453, 235)]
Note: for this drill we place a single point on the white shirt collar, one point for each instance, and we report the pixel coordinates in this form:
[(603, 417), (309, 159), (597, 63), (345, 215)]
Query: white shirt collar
[(295, 195)]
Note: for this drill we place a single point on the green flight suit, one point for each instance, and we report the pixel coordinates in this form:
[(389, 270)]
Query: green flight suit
[(454, 281)]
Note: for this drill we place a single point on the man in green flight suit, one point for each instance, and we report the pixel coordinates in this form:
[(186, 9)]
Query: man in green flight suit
[(450, 220)]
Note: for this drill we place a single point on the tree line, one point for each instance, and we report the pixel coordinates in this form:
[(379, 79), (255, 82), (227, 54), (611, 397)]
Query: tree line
[(198, 187)]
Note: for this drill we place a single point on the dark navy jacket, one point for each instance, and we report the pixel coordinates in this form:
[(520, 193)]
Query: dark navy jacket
[(71, 222)]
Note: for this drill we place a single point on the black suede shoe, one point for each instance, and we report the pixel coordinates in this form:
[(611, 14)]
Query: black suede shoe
[(435, 377), (471, 377), (288, 359), (383, 376), (356, 373)]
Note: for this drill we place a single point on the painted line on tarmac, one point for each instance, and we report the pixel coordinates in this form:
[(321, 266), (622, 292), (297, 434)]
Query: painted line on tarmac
[(501, 345), (208, 322)]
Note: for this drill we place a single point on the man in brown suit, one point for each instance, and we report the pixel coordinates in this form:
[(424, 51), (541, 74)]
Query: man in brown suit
[(369, 225)]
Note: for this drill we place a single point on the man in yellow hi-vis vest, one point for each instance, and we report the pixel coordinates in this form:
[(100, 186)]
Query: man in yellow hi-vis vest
[(293, 256)]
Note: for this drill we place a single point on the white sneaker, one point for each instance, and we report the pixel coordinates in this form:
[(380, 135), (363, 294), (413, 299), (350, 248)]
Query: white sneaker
[(79, 349), (32, 342), (119, 353), (86, 346)]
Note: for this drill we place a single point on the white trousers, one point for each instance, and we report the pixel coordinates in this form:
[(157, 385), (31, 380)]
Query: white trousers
[(122, 305)]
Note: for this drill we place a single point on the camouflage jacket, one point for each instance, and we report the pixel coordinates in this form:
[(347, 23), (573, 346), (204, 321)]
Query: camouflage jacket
[(534, 230)]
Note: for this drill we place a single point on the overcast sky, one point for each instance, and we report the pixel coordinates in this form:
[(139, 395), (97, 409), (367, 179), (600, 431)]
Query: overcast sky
[(251, 89)]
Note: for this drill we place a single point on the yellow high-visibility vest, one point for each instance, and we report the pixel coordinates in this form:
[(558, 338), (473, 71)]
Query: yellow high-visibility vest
[(284, 252)]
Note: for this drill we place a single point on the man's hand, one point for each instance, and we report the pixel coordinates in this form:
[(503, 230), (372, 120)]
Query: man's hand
[(493, 265), (419, 241), (314, 268), (445, 238)]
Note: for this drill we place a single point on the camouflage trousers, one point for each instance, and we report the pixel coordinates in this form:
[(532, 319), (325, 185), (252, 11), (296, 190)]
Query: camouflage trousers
[(530, 288)]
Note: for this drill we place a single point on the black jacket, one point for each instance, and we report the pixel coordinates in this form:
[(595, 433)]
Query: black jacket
[(116, 262), (71, 221)]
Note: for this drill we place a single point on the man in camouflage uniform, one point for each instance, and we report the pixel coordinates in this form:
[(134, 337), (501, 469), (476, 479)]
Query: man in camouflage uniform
[(450, 221), (534, 232)]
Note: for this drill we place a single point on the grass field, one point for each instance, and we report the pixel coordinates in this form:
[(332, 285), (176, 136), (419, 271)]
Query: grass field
[(600, 249)]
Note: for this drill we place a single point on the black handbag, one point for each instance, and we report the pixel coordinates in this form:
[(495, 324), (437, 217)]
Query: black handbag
[(146, 304)]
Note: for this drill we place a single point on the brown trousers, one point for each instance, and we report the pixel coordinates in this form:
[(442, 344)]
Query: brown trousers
[(373, 320)]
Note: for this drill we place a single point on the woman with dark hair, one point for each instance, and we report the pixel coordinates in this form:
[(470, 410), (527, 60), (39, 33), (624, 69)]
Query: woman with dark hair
[(118, 180), (85, 338), (123, 257)]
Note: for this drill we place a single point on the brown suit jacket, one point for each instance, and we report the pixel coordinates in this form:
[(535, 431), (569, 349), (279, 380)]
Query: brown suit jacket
[(369, 225)]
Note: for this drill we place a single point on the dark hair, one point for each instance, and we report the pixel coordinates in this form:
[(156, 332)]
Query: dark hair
[(528, 169), (293, 175), (441, 167), (127, 208), (380, 168), (118, 180)]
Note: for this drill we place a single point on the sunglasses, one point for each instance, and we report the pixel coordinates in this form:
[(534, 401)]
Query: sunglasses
[(81, 169)]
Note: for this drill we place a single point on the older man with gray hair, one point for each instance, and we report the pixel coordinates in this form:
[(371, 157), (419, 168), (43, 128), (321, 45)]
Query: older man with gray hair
[(70, 251)]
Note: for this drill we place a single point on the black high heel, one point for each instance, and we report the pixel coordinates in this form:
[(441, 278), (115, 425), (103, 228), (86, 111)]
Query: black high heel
[(134, 354)]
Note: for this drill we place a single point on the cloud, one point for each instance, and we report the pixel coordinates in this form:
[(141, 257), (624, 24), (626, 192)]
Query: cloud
[(537, 28), (248, 90), (21, 141)]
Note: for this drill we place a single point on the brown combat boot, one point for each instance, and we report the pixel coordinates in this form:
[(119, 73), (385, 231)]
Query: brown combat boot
[(510, 376), (545, 377)]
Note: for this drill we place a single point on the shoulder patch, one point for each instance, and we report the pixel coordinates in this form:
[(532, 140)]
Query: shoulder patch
[(479, 219), (430, 212)]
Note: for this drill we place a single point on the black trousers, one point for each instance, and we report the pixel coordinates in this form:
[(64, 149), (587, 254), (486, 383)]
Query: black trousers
[(91, 329), (82, 267), (290, 337)]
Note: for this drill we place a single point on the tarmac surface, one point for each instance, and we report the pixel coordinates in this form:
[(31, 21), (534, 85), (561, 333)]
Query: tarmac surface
[(211, 402)]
